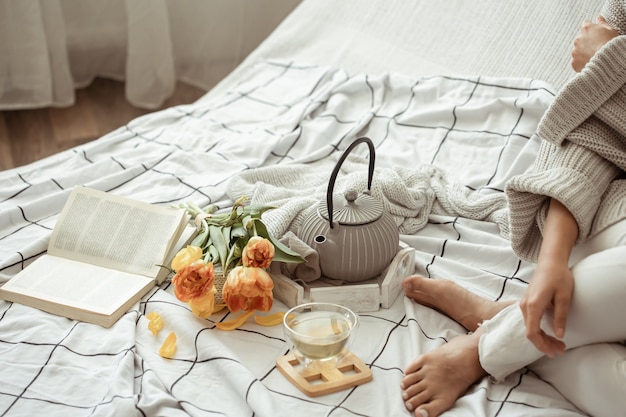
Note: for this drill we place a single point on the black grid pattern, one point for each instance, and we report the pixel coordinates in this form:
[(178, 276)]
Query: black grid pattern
[(477, 129)]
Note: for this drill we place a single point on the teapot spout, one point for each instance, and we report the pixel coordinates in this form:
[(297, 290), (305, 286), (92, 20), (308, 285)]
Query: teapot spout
[(319, 239), (330, 255), (322, 247)]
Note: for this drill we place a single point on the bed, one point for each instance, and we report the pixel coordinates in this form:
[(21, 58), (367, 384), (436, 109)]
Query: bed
[(450, 94)]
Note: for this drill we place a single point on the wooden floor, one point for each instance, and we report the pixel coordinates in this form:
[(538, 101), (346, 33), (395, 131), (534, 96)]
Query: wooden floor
[(28, 135)]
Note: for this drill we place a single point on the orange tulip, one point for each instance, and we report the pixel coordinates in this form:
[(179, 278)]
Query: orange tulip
[(194, 280), (248, 288), (258, 252)]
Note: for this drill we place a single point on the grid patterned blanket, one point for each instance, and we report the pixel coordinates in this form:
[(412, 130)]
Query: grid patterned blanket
[(476, 132)]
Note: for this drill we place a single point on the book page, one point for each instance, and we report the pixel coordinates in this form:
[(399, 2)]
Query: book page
[(115, 232), (76, 284)]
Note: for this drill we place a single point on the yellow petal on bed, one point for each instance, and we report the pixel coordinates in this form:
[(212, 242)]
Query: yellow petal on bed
[(218, 308), (270, 319), (168, 348), (156, 322), (236, 322)]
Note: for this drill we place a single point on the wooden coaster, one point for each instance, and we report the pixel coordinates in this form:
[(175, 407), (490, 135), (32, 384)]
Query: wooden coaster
[(350, 371)]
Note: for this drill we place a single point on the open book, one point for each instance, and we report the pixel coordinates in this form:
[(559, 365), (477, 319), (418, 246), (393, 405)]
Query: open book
[(105, 253)]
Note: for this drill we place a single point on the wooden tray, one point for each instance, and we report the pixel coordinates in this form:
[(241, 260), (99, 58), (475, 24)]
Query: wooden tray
[(360, 297), (350, 372)]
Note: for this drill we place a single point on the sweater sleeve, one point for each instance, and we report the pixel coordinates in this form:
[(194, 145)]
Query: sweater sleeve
[(570, 173), (602, 78)]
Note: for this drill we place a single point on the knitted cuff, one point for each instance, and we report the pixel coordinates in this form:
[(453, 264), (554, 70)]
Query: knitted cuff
[(614, 12), (612, 209), (570, 174)]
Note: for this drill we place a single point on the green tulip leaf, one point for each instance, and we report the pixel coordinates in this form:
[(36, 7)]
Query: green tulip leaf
[(238, 231), (214, 254), (224, 234), (256, 210), (219, 243), (201, 239)]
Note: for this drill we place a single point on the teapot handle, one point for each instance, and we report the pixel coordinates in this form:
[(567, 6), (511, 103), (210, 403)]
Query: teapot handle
[(333, 175)]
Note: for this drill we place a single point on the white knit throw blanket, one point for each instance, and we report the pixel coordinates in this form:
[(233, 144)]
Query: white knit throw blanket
[(409, 195)]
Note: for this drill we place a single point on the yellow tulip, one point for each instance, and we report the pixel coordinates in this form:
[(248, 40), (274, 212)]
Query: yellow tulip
[(203, 306), (186, 256)]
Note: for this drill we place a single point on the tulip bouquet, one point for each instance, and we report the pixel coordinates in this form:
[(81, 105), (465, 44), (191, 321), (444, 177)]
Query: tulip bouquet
[(237, 246)]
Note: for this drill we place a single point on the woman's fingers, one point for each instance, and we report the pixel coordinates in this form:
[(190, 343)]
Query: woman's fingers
[(561, 309)]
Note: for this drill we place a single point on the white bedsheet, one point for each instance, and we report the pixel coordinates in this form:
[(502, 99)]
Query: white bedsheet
[(478, 130)]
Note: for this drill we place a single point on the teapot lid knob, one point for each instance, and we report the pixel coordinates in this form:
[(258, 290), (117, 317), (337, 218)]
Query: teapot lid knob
[(361, 209), (351, 195)]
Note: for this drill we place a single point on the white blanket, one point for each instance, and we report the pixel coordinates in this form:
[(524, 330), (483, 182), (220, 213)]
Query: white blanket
[(409, 195), (475, 131)]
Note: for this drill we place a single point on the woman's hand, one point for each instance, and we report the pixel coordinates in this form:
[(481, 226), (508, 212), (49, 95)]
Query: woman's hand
[(550, 289), (552, 284), (592, 37)]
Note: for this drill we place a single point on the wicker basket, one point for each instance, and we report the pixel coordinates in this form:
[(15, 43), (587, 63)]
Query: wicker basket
[(220, 280)]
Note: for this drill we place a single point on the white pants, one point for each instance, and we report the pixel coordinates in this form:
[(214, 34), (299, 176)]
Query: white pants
[(592, 372)]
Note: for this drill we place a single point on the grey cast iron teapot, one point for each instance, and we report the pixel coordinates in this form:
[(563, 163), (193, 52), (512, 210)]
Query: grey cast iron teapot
[(356, 239)]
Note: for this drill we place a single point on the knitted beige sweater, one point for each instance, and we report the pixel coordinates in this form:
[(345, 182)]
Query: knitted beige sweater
[(582, 157)]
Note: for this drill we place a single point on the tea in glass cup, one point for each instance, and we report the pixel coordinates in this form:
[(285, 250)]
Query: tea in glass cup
[(320, 333)]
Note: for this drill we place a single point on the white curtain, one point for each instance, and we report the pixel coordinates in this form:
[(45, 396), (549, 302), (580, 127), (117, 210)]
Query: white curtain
[(50, 47)]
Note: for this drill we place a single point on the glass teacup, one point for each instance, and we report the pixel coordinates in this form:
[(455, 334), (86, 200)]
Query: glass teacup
[(320, 333)]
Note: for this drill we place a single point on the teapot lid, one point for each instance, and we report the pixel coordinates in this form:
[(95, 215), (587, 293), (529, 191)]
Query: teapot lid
[(353, 209)]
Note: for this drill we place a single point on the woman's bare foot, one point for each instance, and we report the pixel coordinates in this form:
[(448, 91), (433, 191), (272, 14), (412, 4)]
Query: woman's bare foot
[(434, 381), (461, 305)]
